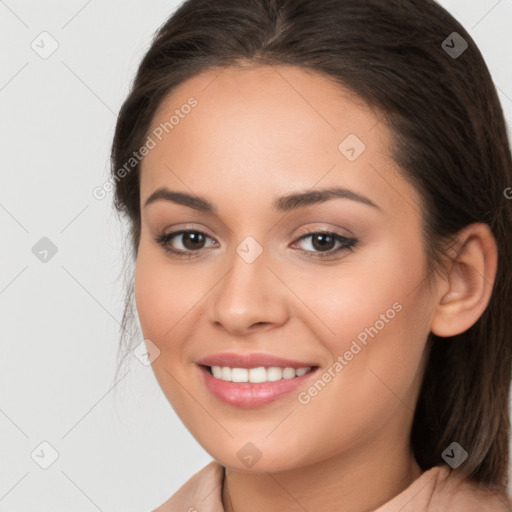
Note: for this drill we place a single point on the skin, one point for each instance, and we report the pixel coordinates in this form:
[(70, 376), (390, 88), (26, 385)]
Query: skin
[(256, 134)]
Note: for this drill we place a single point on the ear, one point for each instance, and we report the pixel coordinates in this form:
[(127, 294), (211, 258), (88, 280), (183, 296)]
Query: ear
[(467, 284)]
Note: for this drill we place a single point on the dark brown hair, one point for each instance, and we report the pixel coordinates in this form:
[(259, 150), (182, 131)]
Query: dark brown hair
[(450, 143)]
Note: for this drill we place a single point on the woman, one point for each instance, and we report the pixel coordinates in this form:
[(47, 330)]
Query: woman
[(322, 242)]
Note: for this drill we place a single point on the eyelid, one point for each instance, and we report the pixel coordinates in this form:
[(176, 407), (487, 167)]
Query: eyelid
[(301, 234), (186, 227), (346, 244), (323, 229)]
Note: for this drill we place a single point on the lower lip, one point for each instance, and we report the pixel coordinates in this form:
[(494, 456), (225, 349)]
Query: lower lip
[(249, 395)]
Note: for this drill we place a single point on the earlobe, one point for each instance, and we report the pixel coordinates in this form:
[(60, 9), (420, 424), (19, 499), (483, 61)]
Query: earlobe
[(468, 282)]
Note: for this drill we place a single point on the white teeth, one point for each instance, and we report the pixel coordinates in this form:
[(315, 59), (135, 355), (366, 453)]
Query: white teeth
[(239, 374), (301, 371), (226, 373), (274, 373), (288, 373), (260, 374)]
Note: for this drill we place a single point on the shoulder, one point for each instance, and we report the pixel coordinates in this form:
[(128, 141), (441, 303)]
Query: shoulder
[(441, 489), (201, 492), (465, 494)]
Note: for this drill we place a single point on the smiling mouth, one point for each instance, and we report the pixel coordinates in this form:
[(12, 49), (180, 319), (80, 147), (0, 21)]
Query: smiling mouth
[(254, 386), (257, 375)]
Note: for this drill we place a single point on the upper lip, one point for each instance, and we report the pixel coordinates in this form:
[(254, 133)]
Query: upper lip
[(234, 360)]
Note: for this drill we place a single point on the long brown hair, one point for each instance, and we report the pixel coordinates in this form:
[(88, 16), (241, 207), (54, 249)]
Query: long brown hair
[(450, 142)]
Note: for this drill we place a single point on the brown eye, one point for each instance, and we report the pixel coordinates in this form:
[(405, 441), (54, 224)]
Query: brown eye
[(323, 242), (188, 241), (193, 240)]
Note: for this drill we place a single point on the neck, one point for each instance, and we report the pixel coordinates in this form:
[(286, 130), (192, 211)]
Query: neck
[(337, 484)]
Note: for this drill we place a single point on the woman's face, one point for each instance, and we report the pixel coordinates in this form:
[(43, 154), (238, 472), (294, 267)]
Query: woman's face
[(253, 281)]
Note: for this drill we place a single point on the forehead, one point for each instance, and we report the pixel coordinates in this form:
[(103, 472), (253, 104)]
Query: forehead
[(268, 129)]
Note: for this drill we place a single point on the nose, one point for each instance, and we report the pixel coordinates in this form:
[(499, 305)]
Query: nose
[(249, 298)]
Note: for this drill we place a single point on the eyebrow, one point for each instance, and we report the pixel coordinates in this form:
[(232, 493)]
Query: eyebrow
[(292, 201)]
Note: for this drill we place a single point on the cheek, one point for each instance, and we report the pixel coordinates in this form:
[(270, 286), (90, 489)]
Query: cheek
[(163, 298), (364, 292), (160, 295), (380, 315)]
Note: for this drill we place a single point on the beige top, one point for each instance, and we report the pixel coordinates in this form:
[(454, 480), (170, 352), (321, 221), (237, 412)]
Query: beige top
[(438, 489)]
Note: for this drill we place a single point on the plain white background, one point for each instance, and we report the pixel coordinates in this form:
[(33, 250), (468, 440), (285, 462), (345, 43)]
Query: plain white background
[(119, 445)]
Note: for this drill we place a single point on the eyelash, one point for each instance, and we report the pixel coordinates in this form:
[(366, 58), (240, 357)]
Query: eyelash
[(348, 244)]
